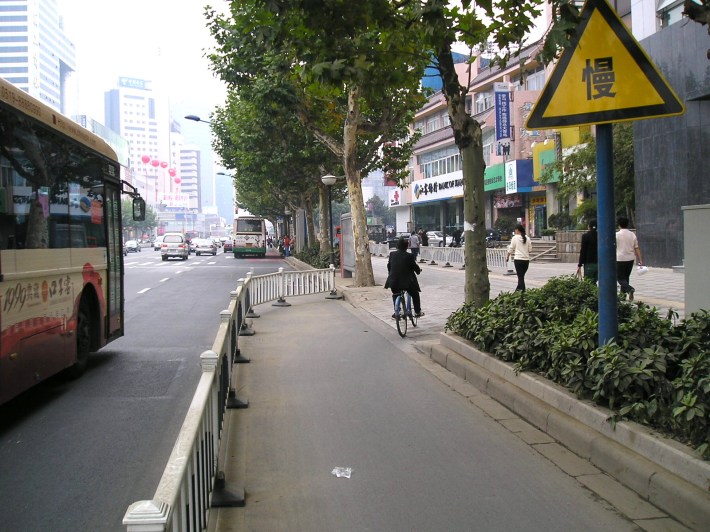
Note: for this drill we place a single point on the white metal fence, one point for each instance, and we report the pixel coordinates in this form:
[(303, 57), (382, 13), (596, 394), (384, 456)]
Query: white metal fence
[(448, 256), (192, 481)]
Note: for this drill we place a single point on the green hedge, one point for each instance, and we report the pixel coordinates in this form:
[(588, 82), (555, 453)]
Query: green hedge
[(316, 258), (657, 372)]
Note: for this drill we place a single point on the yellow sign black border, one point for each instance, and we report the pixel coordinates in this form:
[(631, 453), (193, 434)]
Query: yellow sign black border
[(671, 103)]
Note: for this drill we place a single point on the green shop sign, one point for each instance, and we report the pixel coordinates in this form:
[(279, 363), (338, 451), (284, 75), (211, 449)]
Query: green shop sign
[(547, 157), (494, 177)]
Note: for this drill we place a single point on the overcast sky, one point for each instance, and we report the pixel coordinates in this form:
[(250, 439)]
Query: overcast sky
[(159, 40)]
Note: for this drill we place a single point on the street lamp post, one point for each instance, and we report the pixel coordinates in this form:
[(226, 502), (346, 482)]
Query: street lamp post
[(196, 118), (329, 180)]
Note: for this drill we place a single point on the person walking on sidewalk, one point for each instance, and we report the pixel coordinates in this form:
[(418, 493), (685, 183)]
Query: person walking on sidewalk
[(588, 253), (403, 270), (627, 249), (414, 244), (520, 248)]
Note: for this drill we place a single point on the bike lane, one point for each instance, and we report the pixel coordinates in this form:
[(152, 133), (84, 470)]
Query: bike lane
[(330, 385)]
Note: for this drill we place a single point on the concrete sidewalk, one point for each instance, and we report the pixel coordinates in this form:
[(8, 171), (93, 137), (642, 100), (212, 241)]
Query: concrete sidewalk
[(635, 457), (324, 379)]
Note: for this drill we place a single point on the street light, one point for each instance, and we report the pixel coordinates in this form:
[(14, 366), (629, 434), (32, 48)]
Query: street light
[(196, 118), (329, 180)]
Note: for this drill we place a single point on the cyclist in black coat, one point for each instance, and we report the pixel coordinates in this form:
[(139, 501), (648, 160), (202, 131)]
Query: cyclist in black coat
[(403, 270)]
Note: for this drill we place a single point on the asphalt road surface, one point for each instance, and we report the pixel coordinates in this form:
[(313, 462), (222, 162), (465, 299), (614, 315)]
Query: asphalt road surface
[(74, 455)]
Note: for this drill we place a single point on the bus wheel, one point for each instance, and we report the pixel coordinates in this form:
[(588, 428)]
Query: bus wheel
[(83, 341)]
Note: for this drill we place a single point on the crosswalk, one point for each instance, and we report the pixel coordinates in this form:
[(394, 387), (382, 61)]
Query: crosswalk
[(157, 262)]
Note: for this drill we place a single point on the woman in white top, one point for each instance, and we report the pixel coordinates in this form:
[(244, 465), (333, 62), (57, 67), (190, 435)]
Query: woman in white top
[(520, 248)]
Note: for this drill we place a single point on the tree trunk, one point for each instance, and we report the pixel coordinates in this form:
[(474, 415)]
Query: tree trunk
[(364, 275), (309, 222), (476, 284), (323, 218), (468, 138), (37, 226)]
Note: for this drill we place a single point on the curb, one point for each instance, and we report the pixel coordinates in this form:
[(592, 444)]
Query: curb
[(662, 471)]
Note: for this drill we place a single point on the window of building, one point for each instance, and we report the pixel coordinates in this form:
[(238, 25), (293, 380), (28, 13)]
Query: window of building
[(432, 123), (488, 140), (484, 101), (439, 162)]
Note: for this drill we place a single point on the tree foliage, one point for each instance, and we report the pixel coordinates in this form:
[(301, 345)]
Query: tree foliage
[(131, 225), (577, 172), (354, 86)]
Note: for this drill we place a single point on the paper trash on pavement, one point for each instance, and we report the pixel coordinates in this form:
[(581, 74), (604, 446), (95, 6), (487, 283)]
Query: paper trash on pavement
[(342, 472)]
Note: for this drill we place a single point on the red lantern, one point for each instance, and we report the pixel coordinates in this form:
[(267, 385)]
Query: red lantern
[(177, 180), (155, 162), (163, 164), (145, 159), (172, 172)]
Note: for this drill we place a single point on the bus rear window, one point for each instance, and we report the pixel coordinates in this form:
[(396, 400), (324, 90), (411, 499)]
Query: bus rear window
[(249, 226)]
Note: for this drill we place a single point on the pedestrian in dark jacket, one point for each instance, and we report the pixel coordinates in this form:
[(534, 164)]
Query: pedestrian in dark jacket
[(403, 270), (588, 253)]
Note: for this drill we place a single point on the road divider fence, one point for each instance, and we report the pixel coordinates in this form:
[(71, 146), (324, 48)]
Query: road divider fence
[(448, 256), (192, 481)]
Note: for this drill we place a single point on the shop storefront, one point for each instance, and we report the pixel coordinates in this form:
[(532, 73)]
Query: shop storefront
[(437, 203)]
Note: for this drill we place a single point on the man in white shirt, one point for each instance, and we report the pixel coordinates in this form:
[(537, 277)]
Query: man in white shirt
[(414, 244), (627, 250)]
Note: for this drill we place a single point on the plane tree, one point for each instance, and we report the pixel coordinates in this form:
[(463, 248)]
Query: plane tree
[(346, 69), (277, 162)]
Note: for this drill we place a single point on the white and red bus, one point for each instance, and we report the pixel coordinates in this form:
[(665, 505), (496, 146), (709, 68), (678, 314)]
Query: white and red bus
[(249, 236), (61, 262)]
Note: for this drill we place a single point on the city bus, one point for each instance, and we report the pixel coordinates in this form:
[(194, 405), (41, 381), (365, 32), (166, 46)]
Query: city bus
[(61, 262), (249, 236)]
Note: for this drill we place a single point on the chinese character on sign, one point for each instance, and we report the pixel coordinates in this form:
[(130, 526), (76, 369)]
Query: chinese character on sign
[(600, 77)]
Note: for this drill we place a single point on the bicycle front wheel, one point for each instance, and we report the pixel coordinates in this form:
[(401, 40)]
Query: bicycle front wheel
[(400, 317)]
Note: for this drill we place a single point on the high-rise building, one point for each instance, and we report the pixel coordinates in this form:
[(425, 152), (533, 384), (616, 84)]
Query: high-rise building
[(35, 54), (136, 113), (189, 174)]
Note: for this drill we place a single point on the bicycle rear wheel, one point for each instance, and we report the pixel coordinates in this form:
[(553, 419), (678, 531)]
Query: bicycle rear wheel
[(400, 316)]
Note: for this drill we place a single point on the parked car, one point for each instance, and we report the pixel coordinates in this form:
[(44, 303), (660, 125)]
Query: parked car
[(132, 246), (436, 238), (392, 241), (204, 245), (174, 245), (156, 243), (227, 246)]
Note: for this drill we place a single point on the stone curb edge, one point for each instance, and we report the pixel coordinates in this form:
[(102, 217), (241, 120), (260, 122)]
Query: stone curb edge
[(662, 471)]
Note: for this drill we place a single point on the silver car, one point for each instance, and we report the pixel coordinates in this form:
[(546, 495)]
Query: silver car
[(174, 245), (204, 245)]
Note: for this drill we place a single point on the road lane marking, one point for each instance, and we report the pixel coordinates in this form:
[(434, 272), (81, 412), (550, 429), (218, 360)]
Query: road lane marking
[(164, 279), (143, 291)]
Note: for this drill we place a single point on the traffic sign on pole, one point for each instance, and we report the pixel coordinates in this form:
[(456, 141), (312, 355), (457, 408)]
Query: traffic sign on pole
[(603, 76)]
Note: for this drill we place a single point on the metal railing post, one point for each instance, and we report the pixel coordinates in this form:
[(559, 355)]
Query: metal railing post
[(248, 283), (281, 301), (331, 281)]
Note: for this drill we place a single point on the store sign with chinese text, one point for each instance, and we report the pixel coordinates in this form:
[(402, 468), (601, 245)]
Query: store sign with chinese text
[(437, 188)]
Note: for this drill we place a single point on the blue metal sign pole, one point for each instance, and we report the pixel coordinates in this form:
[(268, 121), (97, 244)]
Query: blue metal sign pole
[(606, 243)]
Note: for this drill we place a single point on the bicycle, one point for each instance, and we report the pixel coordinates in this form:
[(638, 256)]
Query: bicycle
[(402, 311)]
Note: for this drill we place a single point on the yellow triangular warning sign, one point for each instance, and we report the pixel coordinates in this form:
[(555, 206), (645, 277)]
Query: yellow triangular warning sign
[(603, 76)]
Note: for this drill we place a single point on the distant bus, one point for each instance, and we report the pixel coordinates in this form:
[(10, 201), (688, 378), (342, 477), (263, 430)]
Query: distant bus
[(61, 262), (249, 236)]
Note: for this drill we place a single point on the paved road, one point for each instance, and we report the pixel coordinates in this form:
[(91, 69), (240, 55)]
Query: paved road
[(74, 455), (331, 384)]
